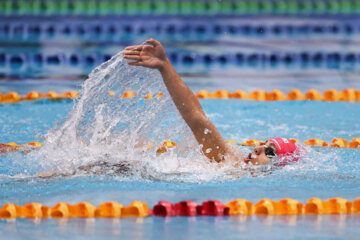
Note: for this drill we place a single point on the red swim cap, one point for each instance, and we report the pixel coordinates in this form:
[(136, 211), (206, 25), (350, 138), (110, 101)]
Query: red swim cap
[(285, 149)]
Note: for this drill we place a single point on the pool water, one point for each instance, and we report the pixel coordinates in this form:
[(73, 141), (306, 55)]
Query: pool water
[(323, 172), (326, 173)]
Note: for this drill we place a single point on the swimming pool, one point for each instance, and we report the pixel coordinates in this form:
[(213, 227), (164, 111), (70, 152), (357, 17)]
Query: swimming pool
[(324, 173)]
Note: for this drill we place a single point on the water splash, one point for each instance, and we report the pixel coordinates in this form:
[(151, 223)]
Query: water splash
[(109, 134)]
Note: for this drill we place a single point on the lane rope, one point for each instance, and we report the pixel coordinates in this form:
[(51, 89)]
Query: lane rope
[(194, 8), (314, 142), (237, 207), (200, 30), (331, 95), (16, 63)]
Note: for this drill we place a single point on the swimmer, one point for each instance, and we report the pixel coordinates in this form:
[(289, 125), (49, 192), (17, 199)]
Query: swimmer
[(153, 55)]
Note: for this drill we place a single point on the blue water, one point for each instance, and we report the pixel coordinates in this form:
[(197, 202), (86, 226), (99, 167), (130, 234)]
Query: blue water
[(331, 172), (324, 173), (276, 227)]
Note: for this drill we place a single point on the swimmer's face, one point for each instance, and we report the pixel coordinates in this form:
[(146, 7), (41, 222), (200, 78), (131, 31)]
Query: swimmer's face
[(260, 155)]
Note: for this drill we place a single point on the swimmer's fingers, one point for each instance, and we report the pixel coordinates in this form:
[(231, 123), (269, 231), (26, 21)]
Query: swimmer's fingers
[(126, 52), (135, 47), (133, 57), (153, 42)]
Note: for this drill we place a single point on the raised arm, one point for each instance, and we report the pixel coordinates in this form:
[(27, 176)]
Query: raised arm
[(154, 56)]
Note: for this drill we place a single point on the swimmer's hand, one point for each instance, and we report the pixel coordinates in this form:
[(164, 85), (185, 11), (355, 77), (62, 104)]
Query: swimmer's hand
[(151, 56)]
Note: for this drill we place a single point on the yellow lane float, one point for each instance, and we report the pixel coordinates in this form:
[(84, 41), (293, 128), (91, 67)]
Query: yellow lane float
[(332, 95), (237, 207)]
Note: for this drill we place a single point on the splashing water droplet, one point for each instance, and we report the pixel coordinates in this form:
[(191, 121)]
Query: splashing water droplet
[(105, 131)]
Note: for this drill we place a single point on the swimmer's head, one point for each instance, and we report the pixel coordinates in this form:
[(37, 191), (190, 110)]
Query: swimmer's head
[(281, 147)]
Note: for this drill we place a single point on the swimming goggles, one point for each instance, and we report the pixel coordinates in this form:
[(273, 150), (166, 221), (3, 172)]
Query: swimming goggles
[(269, 151)]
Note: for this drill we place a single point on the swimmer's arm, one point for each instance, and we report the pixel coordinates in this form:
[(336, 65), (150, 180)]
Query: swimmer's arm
[(213, 145)]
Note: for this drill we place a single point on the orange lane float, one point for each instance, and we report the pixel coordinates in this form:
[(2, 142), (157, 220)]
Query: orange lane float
[(286, 206), (11, 210), (357, 95), (52, 95), (295, 94), (316, 142), (136, 209), (237, 207), (221, 94), (62, 210), (339, 142), (251, 142), (336, 142), (32, 96), (240, 207), (332, 206), (8, 148), (239, 94), (71, 94), (10, 97), (203, 94), (294, 140), (14, 147), (264, 207), (275, 95), (30, 210), (349, 94), (332, 95), (313, 95), (35, 210), (356, 206), (109, 209), (355, 143), (84, 210), (231, 141), (259, 95), (35, 144)]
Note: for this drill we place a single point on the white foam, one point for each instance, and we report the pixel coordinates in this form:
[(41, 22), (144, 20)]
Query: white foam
[(107, 128)]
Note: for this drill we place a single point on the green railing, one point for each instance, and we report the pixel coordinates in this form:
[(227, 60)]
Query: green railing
[(197, 8)]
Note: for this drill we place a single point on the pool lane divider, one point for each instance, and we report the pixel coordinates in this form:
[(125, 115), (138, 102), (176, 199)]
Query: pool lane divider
[(19, 63), (178, 8), (237, 207), (330, 95), (29, 30), (314, 142)]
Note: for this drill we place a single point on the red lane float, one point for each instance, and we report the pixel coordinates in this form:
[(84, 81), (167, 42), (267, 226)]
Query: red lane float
[(186, 208), (139, 209)]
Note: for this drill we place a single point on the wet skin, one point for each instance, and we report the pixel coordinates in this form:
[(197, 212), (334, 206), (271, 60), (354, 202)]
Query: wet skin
[(258, 156)]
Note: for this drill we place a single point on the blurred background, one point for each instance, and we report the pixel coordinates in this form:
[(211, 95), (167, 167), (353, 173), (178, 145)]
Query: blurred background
[(228, 44), (52, 45)]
